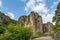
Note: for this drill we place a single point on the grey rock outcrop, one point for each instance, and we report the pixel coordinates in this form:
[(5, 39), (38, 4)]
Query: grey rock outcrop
[(47, 27), (33, 20)]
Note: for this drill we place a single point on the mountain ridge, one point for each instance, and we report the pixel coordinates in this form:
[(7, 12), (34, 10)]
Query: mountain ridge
[(4, 19)]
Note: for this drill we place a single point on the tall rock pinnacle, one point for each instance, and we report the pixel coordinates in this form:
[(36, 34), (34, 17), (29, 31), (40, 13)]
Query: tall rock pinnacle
[(33, 20)]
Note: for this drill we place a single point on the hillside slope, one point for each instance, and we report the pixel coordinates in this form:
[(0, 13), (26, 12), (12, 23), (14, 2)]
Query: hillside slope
[(6, 19)]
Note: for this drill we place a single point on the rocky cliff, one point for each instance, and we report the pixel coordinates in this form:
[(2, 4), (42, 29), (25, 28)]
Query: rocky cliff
[(47, 28), (33, 20)]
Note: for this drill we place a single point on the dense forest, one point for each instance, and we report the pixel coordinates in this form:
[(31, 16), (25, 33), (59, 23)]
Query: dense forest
[(9, 30)]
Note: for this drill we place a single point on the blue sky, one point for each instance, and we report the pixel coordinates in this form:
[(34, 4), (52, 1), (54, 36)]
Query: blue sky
[(16, 8)]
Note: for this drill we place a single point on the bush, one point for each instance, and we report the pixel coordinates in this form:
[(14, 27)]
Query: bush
[(15, 32), (56, 28)]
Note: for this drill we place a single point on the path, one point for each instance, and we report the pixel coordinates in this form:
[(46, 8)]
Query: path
[(44, 38)]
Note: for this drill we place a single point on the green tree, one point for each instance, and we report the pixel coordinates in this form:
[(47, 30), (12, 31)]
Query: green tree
[(57, 27), (56, 18)]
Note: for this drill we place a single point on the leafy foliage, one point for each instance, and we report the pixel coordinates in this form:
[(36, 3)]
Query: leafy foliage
[(56, 19), (57, 27), (15, 32), (57, 14)]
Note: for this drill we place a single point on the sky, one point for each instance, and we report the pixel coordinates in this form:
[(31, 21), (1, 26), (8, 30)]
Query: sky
[(16, 8)]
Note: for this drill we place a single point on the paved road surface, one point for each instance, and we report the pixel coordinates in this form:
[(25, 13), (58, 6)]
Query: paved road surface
[(44, 38)]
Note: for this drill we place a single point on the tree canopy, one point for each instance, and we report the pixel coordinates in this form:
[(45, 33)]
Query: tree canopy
[(56, 18)]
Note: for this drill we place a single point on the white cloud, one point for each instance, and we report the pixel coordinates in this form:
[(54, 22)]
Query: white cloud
[(39, 7), (47, 18), (0, 3), (29, 5), (11, 15), (50, 14)]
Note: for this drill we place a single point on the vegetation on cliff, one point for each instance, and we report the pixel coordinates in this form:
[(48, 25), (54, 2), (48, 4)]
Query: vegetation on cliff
[(6, 19)]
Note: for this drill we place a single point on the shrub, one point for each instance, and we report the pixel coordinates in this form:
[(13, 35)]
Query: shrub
[(15, 32)]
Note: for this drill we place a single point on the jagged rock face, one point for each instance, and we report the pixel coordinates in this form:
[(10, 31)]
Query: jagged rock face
[(22, 20), (33, 20), (48, 27)]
